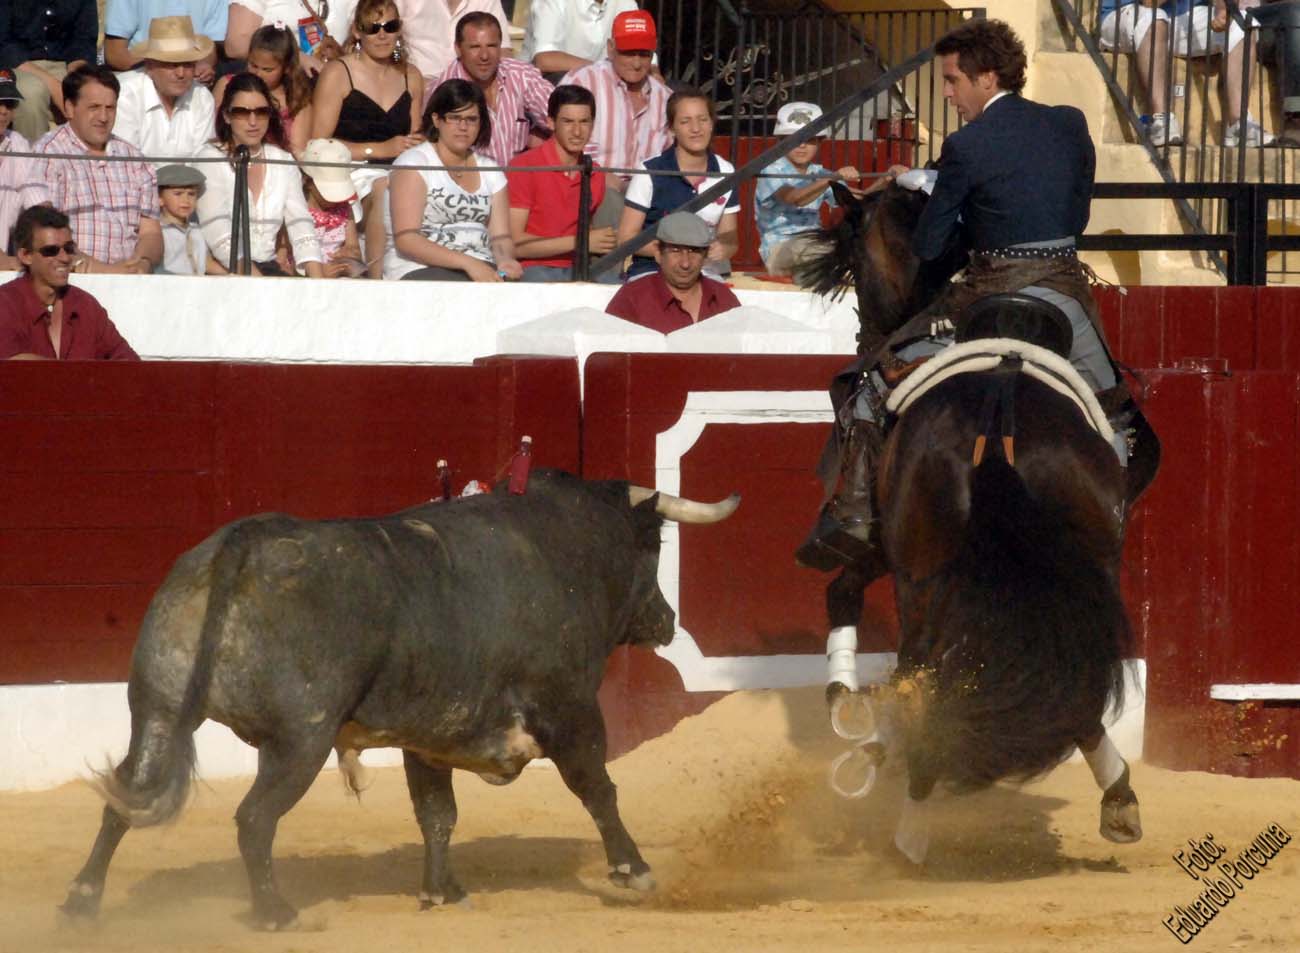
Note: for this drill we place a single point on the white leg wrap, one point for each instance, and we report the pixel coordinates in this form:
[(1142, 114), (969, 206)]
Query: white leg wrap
[(1106, 763), (912, 836), (842, 658)]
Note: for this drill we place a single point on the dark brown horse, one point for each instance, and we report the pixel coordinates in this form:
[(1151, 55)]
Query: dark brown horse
[(1006, 567)]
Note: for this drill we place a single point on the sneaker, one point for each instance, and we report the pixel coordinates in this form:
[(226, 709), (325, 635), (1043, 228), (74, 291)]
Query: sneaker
[(1165, 130), (1255, 134)]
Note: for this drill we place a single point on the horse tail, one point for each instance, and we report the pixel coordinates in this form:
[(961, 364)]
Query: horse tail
[(1031, 636), (152, 783)]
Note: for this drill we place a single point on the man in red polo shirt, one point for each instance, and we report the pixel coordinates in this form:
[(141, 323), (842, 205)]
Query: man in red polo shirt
[(544, 205), (677, 295), (42, 317)]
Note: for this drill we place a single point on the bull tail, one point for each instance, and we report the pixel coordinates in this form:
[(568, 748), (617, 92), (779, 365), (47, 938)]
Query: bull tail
[(1031, 636), (152, 783)]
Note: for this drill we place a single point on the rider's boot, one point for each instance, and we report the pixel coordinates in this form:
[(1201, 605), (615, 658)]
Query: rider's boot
[(848, 531)]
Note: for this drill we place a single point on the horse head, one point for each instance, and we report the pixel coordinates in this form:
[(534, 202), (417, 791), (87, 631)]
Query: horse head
[(871, 248)]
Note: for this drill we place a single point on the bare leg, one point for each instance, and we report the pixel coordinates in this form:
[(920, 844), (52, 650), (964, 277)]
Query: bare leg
[(435, 810), (1153, 65), (372, 224)]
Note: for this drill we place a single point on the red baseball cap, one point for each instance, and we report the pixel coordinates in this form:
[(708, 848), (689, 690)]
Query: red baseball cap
[(634, 31)]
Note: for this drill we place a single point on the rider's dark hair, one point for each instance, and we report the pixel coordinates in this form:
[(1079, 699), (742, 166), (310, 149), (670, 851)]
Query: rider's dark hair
[(984, 46)]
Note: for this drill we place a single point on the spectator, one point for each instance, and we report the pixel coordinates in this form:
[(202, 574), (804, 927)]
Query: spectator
[(430, 26), (784, 209), (275, 198), (450, 224), (114, 204), (306, 18), (515, 91), (695, 167), (185, 252), (42, 317), (677, 295), (329, 200), (162, 111), (126, 24), (273, 58), (370, 99), (19, 187), (43, 41), (630, 102), (1140, 28), (1195, 38), (566, 35), (544, 205)]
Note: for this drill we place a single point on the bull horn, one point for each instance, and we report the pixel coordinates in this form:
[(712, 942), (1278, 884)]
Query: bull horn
[(681, 510)]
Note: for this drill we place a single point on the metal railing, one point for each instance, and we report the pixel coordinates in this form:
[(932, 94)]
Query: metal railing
[(1180, 86), (754, 61)]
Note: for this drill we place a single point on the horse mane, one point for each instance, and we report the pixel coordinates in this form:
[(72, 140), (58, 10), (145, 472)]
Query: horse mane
[(869, 248)]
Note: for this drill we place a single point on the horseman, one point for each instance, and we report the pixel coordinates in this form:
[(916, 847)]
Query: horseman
[(1012, 189)]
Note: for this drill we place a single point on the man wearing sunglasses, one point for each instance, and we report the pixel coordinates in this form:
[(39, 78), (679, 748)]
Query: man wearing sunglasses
[(42, 317)]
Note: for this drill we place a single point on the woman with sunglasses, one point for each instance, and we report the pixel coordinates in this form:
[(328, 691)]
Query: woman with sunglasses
[(247, 117), (453, 223), (369, 99)]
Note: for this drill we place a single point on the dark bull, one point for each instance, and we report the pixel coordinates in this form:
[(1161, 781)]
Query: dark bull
[(471, 634)]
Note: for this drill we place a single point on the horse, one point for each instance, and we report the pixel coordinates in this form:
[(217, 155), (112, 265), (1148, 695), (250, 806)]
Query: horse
[(1005, 556)]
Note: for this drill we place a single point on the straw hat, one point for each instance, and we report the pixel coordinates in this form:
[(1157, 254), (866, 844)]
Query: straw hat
[(173, 40)]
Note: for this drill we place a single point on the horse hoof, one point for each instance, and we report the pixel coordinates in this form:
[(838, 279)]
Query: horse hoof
[(622, 876), (1121, 823)]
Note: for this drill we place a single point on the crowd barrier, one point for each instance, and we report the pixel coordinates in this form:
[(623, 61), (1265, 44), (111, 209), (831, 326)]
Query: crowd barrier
[(110, 471)]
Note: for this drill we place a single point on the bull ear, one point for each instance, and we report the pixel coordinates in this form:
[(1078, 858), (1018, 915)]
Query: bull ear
[(843, 196)]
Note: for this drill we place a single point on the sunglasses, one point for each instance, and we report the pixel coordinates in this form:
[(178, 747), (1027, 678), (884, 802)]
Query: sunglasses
[(389, 26), (249, 112), (49, 251)]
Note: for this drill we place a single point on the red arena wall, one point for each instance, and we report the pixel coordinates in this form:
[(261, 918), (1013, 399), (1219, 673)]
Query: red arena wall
[(108, 472)]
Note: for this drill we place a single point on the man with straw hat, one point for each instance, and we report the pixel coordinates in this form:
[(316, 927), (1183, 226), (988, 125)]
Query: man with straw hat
[(162, 111)]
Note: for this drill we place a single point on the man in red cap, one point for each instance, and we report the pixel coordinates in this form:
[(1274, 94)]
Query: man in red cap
[(631, 102)]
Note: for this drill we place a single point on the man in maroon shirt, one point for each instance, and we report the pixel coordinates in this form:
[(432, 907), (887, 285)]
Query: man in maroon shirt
[(42, 317), (677, 295)]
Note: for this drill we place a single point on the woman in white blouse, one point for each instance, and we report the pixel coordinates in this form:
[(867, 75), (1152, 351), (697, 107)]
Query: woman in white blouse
[(450, 224), (247, 117)]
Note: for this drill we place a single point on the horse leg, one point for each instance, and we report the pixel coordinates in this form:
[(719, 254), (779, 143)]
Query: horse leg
[(912, 836), (1121, 821)]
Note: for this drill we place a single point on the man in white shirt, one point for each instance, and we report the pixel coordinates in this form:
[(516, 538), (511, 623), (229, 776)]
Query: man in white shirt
[(565, 35), (162, 111)]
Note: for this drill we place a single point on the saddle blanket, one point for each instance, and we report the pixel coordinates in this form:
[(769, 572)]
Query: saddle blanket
[(986, 354)]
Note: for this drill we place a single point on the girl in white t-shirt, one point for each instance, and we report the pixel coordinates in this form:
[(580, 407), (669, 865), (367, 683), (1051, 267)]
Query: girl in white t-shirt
[(450, 224)]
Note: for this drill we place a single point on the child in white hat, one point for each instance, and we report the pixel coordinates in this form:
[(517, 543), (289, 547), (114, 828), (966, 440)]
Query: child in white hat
[(330, 195)]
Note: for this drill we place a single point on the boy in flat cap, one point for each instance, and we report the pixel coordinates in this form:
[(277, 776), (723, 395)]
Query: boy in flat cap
[(185, 252)]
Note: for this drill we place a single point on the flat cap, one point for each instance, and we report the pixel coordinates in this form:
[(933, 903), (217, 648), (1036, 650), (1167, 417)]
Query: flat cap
[(181, 177), (684, 228)]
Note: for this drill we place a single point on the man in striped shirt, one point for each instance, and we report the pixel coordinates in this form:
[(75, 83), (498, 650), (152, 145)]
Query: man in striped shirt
[(516, 92), (112, 201), (631, 118)]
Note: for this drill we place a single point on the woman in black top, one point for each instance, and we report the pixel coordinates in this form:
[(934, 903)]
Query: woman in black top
[(370, 99)]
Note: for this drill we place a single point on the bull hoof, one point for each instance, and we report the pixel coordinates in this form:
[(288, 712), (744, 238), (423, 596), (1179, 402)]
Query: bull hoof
[(275, 916), (622, 876), (82, 902), (452, 894)]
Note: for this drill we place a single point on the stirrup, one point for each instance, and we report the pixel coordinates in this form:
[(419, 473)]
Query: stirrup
[(834, 544)]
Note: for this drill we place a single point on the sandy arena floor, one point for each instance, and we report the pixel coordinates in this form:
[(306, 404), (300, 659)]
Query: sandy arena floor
[(751, 850)]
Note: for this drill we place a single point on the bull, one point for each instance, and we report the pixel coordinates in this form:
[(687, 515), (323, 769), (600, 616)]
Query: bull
[(471, 635)]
